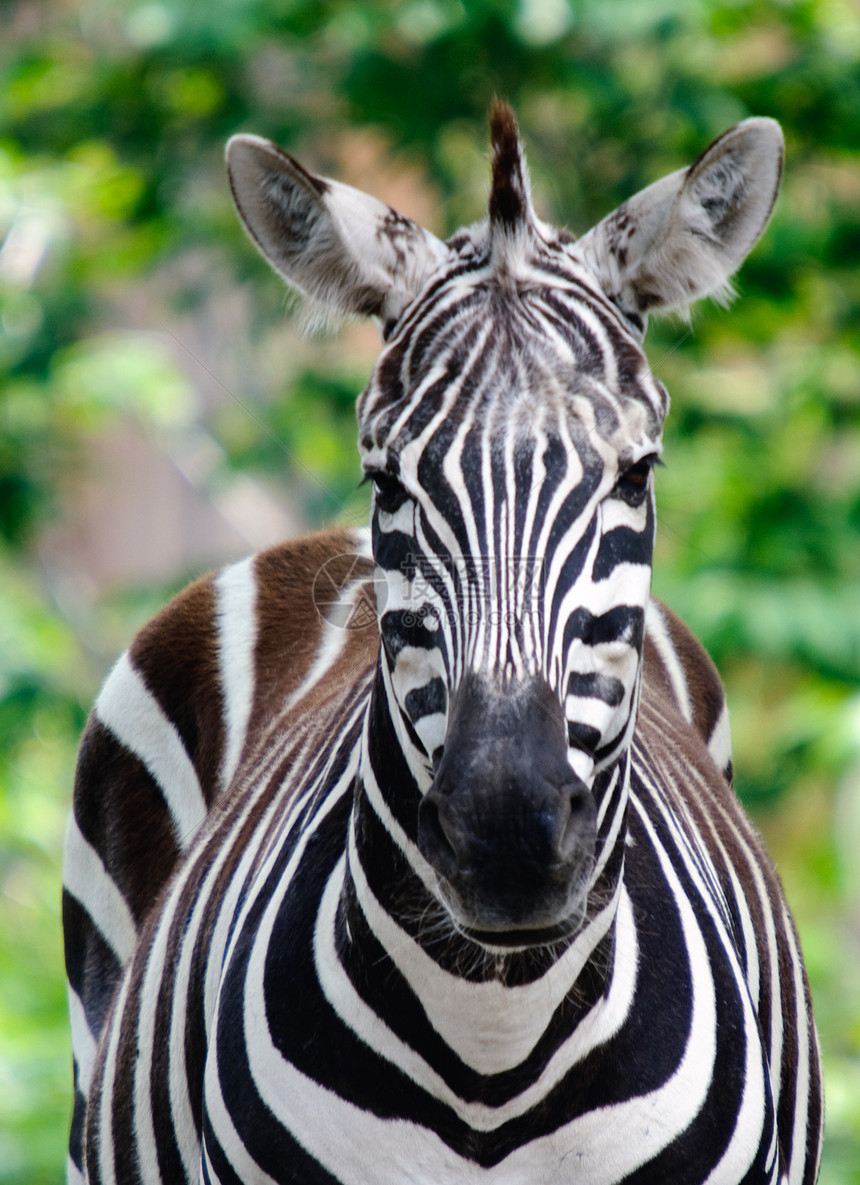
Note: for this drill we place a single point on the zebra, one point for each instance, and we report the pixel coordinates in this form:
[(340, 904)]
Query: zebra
[(413, 855)]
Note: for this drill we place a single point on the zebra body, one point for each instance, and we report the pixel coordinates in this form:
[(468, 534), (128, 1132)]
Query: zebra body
[(446, 883)]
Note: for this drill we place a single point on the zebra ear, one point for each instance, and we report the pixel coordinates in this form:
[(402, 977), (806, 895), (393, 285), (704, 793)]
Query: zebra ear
[(338, 246), (683, 237)]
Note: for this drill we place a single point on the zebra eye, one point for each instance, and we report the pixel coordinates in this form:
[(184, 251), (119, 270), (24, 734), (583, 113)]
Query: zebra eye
[(389, 493), (632, 485)]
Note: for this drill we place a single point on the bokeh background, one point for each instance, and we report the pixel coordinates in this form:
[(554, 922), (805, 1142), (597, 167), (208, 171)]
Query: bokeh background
[(160, 413)]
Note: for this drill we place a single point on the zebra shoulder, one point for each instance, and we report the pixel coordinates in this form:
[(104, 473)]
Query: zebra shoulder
[(175, 713), (677, 669), (166, 737)]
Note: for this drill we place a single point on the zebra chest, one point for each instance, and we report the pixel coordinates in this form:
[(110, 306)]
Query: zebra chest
[(342, 1052)]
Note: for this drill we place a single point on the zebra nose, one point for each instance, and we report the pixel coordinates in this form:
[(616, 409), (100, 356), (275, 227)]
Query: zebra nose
[(461, 829), (507, 824)]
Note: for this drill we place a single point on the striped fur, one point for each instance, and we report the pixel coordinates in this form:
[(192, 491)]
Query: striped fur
[(436, 875), (681, 700), (213, 669)]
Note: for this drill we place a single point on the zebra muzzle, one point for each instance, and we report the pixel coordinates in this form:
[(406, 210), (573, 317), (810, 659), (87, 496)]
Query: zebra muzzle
[(507, 825)]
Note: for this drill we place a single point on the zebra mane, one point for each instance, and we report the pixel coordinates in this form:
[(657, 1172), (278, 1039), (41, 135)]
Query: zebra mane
[(510, 203), (512, 222)]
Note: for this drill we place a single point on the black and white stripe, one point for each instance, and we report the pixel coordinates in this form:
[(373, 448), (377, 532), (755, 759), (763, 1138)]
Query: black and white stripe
[(448, 881)]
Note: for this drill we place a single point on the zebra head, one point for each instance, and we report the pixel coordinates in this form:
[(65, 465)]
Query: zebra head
[(510, 429)]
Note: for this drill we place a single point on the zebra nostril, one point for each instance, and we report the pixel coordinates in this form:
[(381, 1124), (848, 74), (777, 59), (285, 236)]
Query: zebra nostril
[(433, 841), (579, 825)]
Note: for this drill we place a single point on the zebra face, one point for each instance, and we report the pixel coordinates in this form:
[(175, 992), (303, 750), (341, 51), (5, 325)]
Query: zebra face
[(510, 432), (510, 429)]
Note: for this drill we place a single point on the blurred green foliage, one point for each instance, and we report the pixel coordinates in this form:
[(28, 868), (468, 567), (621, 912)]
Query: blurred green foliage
[(112, 124)]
